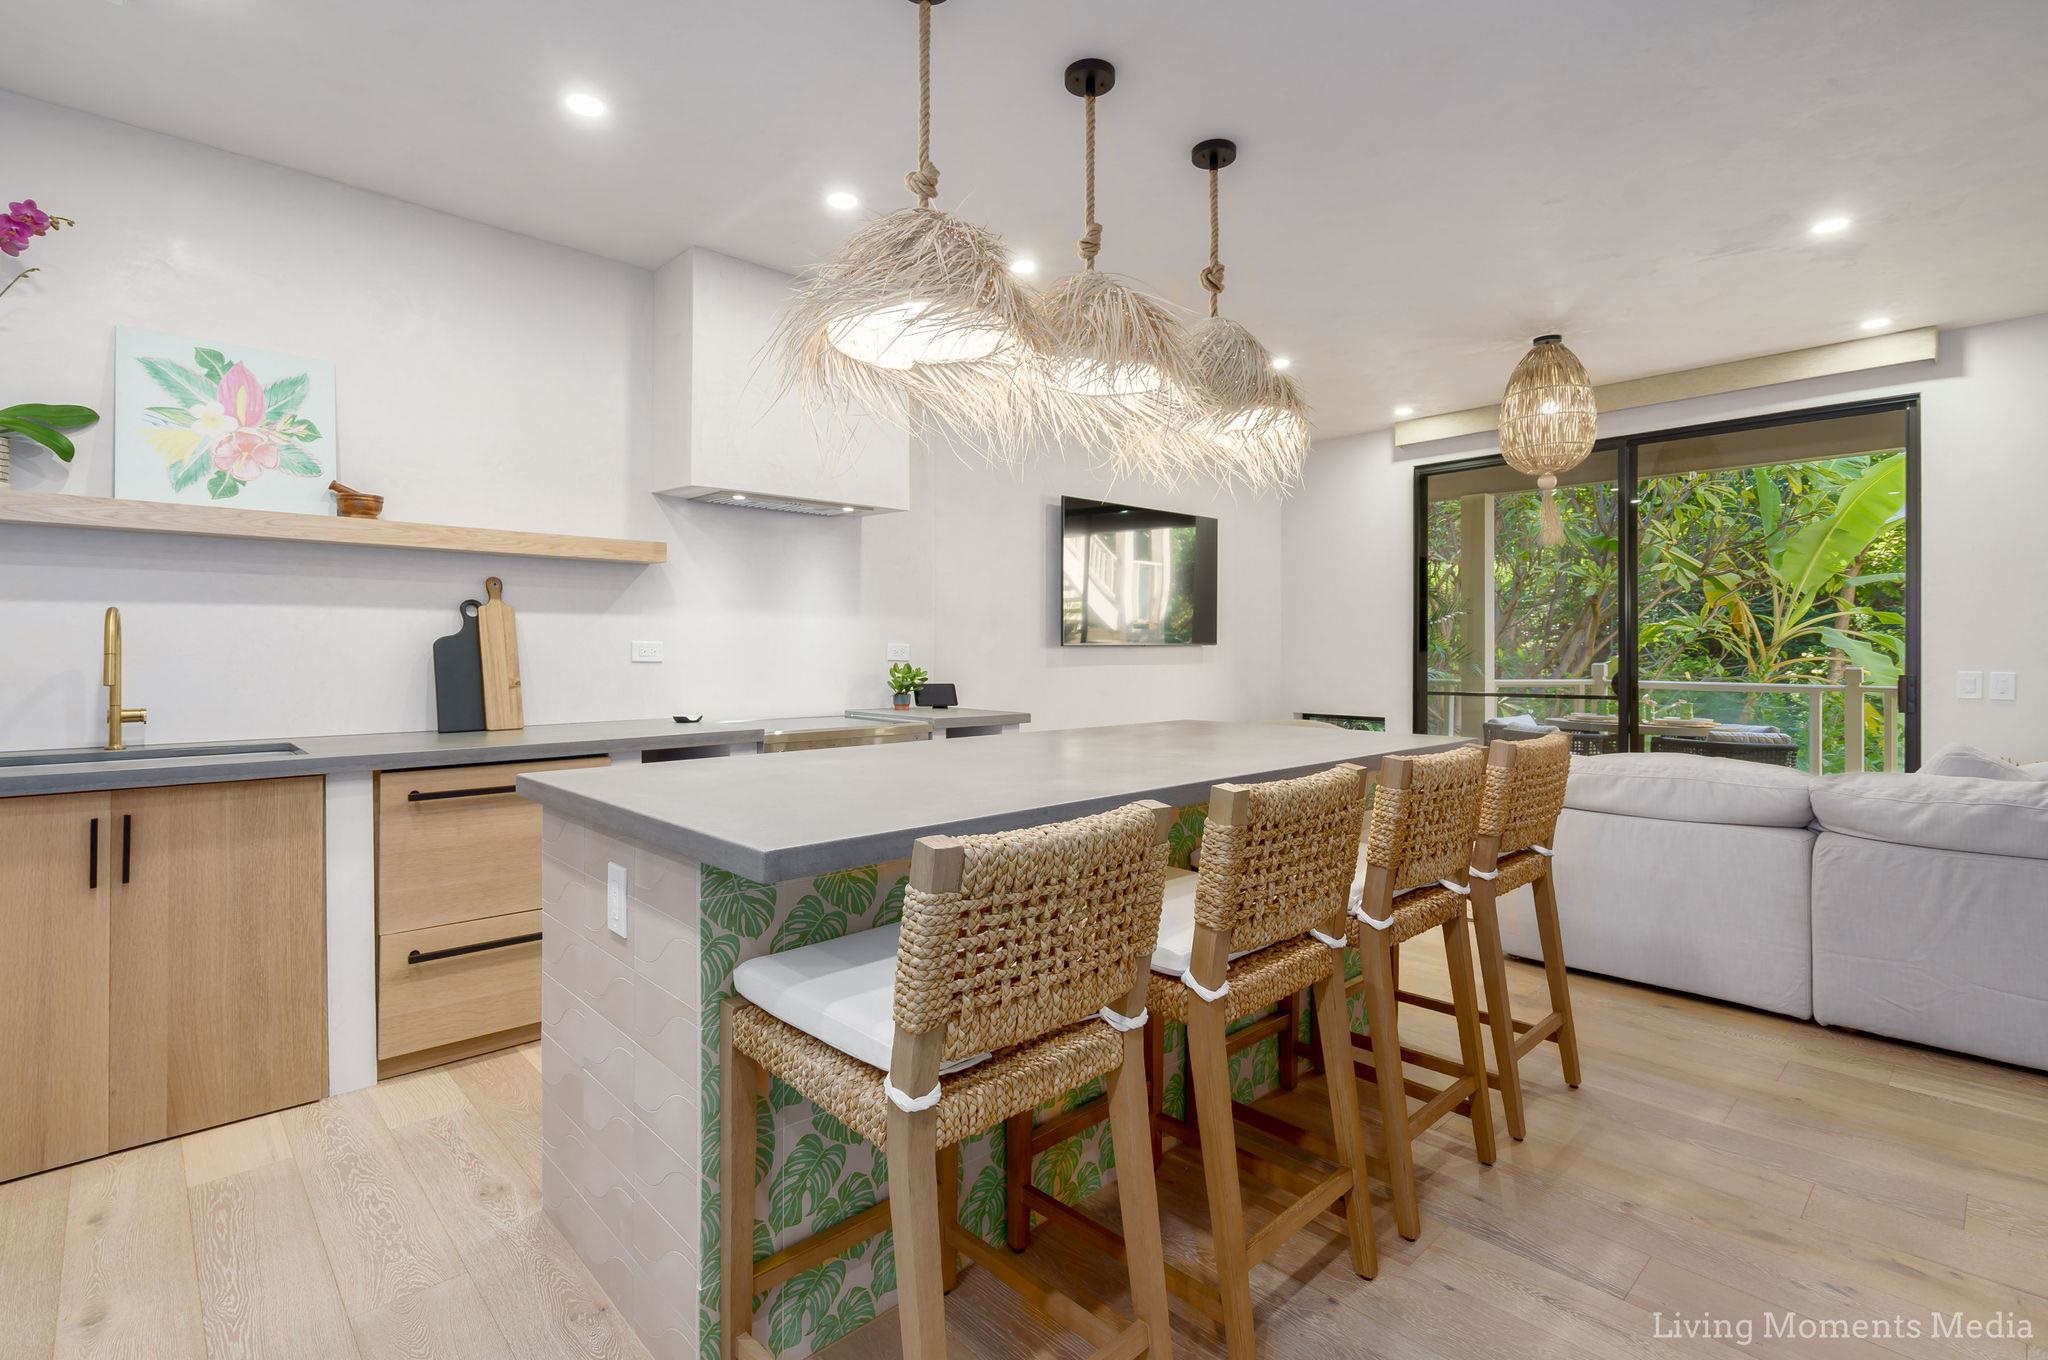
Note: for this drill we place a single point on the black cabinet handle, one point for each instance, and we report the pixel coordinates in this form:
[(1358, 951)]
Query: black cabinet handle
[(92, 856), (126, 820), (429, 955), (417, 797)]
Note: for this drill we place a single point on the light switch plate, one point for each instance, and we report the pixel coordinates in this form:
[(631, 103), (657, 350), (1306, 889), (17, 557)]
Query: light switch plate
[(615, 899), (899, 651), (2005, 685), (647, 651), (1969, 684)]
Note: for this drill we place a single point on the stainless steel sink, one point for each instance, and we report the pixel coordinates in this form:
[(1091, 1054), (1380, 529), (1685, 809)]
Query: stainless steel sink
[(88, 755)]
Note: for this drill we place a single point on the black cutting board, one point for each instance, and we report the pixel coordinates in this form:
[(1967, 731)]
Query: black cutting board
[(459, 675)]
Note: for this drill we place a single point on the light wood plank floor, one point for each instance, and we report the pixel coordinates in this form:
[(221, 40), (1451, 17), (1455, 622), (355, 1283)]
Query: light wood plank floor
[(1716, 1164)]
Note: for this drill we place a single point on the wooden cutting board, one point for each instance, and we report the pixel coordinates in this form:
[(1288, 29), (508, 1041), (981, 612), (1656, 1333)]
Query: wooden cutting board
[(459, 675), (498, 639)]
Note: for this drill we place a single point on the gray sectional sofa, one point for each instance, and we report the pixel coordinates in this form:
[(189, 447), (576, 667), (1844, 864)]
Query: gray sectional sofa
[(1912, 906)]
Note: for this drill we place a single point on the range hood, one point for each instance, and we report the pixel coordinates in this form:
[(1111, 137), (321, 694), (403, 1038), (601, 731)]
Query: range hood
[(727, 432)]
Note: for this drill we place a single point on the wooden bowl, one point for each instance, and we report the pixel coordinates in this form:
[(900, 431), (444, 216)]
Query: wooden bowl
[(354, 504)]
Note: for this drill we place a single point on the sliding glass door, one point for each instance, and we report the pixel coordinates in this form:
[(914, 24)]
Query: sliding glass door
[(1742, 589)]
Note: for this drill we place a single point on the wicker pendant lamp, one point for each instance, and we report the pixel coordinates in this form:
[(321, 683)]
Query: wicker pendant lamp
[(1244, 418), (917, 317), (1547, 421), (1117, 356)]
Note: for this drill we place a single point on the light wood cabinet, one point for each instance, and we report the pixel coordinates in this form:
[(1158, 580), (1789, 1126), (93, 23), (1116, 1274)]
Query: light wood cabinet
[(162, 964), (54, 895), (219, 963), (458, 844), (447, 984), (458, 869)]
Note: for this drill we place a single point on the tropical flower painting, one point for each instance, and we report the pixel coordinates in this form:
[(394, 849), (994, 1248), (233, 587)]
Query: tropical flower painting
[(211, 424)]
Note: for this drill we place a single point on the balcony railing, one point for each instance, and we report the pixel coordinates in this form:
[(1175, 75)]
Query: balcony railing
[(1856, 697)]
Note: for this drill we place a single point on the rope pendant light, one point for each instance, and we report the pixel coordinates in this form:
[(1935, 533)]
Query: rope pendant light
[(1117, 356), (1547, 421), (1245, 419), (917, 317)]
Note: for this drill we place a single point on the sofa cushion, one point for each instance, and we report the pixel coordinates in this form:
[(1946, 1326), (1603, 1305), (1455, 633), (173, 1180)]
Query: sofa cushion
[(1686, 788), (1957, 760), (1940, 812)]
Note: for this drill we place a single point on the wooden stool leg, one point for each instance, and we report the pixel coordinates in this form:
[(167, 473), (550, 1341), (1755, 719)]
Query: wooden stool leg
[(1016, 1175), (1130, 1128), (1290, 1006), (1385, 1032), (1209, 1075), (949, 1214), (914, 1214), (1155, 1087), (736, 1190), (1493, 972), (1465, 1000), (1553, 970), (1333, 1027)]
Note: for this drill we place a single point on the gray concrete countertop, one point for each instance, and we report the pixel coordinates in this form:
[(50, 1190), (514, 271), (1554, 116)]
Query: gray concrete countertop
[(943, 719), (810, 812), (85, 768)]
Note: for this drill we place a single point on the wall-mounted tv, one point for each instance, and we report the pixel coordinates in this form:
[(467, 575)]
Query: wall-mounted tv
[(1132, 577)]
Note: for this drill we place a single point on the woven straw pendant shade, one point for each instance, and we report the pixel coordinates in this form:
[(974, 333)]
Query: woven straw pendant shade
[(1243, 420), (1117, 356), (917, 317), (1547, 421)]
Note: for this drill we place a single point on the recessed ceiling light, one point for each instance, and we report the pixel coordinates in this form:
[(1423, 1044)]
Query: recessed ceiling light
[(1403, 412), (1877, 323), (583, 104), (841, 201), (1829, 226), (1281, 363), (1024, 265), (845, 509), (738, 496)]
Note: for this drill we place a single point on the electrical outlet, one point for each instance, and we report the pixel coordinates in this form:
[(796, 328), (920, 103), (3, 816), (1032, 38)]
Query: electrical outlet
[(899, 651), (2005, 685), (615, 899), (1969, 684), (646, 651)]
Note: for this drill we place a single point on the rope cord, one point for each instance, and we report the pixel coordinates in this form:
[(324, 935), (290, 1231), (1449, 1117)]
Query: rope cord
[(1091, 235), (1212, 277), (1121, 1023), (924, 181), (910, 1104)]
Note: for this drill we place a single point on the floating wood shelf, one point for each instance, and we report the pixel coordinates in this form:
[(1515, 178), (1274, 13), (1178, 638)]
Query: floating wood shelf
[(217, 521)]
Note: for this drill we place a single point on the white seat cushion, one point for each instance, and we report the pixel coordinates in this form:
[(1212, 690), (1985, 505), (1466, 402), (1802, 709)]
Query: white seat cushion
[(842, 992), (1688, 788), (1176, 948)]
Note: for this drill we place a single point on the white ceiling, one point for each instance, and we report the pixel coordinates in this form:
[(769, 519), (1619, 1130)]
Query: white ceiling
[(1422, 186)]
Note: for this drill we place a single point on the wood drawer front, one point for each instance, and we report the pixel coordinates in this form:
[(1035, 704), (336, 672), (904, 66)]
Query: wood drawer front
[(459, 851), (443, 1001)]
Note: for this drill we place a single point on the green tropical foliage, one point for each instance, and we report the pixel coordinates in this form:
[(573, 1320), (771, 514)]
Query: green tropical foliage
[(1781, 574)]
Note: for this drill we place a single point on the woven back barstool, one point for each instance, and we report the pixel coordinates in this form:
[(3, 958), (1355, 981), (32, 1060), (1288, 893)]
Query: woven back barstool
[(1018, 974), (1414, 881), (1261, 922), (1525, 783)]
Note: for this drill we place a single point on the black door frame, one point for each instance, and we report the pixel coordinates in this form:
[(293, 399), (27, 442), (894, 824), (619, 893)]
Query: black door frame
[(1627, 689)]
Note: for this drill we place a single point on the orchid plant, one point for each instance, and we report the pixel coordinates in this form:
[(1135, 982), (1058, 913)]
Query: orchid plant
[(34, 421)]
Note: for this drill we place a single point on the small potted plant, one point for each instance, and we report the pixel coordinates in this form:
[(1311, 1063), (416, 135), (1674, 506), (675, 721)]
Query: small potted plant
[(903, 678), (43, 424)]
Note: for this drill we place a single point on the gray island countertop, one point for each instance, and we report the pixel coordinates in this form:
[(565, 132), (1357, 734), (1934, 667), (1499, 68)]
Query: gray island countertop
[(811, 812)]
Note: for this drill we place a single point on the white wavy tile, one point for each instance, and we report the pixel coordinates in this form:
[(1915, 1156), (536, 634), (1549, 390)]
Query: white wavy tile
[(667, 1103), (667, 950), (661, 1177), (606, 1189), (667, 1027)]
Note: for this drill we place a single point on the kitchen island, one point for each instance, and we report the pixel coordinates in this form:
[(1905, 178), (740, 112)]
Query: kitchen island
[(657, 880)]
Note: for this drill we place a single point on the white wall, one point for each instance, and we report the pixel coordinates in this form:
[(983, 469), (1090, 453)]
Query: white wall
[(993, 560), (488, 379), (1349, 573)]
